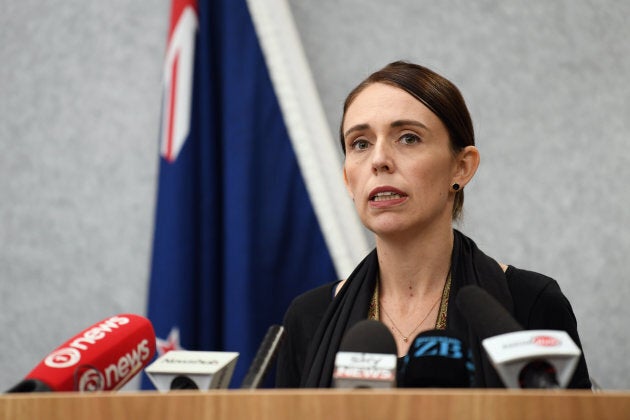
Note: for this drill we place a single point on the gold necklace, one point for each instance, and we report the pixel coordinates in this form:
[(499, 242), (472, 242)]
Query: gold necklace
[(404, 337)]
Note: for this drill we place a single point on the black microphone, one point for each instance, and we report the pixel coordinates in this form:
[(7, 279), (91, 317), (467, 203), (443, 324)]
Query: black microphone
[(264, 357), (522, 358), (486, 316), (437, 359), (183, 382), (366, 357)]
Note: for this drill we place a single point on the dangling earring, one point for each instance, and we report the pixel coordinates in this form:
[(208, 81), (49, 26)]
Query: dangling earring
[(456, 186)]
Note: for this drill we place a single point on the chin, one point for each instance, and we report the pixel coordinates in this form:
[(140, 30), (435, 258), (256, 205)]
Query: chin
[(387, 229)]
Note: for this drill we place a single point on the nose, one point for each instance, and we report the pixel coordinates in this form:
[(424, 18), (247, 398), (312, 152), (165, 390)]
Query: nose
[(382, 160)]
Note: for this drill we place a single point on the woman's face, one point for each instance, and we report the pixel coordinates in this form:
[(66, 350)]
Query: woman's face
[(399, 167)]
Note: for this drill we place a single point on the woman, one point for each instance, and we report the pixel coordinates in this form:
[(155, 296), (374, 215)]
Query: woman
[(409, 152)]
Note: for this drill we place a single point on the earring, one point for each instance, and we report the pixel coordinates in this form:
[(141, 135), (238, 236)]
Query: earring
[(456, 186)]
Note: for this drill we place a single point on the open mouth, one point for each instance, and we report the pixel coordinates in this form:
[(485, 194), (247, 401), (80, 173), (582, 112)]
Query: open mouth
[(386, 195)]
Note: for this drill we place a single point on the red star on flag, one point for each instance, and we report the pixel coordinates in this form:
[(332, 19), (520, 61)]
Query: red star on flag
[(171, 342)]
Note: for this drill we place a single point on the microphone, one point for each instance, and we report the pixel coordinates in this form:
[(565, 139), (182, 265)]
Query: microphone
[(264, 357), (184, 369), (366, 357), (103, 357), (437, 359), (522, 358)]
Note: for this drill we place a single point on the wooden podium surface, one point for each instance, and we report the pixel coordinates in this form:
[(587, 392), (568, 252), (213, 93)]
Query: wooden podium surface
[(420, 404)]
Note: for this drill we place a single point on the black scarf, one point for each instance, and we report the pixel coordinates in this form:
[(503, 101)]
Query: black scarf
[(469, 265)]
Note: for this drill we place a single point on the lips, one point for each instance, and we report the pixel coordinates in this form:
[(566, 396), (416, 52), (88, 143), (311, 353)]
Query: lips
[(385, 196), (381, 194)]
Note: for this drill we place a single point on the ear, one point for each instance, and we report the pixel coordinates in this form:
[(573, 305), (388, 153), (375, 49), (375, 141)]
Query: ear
[(345, 181), (467, 162)]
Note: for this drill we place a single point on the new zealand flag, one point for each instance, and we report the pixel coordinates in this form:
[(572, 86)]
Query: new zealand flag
[(236, 236)]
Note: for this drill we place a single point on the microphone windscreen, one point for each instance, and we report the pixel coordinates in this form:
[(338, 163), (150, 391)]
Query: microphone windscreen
[(368, 336), (437, 359), (486, 316), (366, 357), (103, 357)]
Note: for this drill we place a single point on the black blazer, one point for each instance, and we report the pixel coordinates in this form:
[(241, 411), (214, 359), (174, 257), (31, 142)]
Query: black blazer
[(538, 304)]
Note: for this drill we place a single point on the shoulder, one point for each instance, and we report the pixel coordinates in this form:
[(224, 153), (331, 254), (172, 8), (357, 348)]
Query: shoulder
[(306, 311), (540, 304), (312, 302), (538, 300), (300, 322), (527, 281)]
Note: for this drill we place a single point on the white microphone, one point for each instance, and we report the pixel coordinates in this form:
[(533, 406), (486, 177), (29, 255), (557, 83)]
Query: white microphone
[(522, 358), (533, 358), (366, 357), (182, 369)]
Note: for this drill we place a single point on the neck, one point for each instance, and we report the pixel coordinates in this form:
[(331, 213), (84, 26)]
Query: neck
[(415, 268)]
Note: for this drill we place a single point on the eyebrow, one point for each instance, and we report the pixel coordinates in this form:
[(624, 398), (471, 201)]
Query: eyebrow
[(400, 123), (358, 127), (397, 123)]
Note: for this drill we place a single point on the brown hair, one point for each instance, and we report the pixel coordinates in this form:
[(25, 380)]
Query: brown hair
[(437, 93)]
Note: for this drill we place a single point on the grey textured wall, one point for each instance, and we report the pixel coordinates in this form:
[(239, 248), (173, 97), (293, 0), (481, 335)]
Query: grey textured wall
[(79, 110), (546, 83)]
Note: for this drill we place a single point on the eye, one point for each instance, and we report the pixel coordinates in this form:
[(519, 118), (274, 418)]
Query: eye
[(359, 144), (409, 138)]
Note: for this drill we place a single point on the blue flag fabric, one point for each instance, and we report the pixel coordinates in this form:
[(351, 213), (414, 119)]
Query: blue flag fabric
[(236, 237)]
